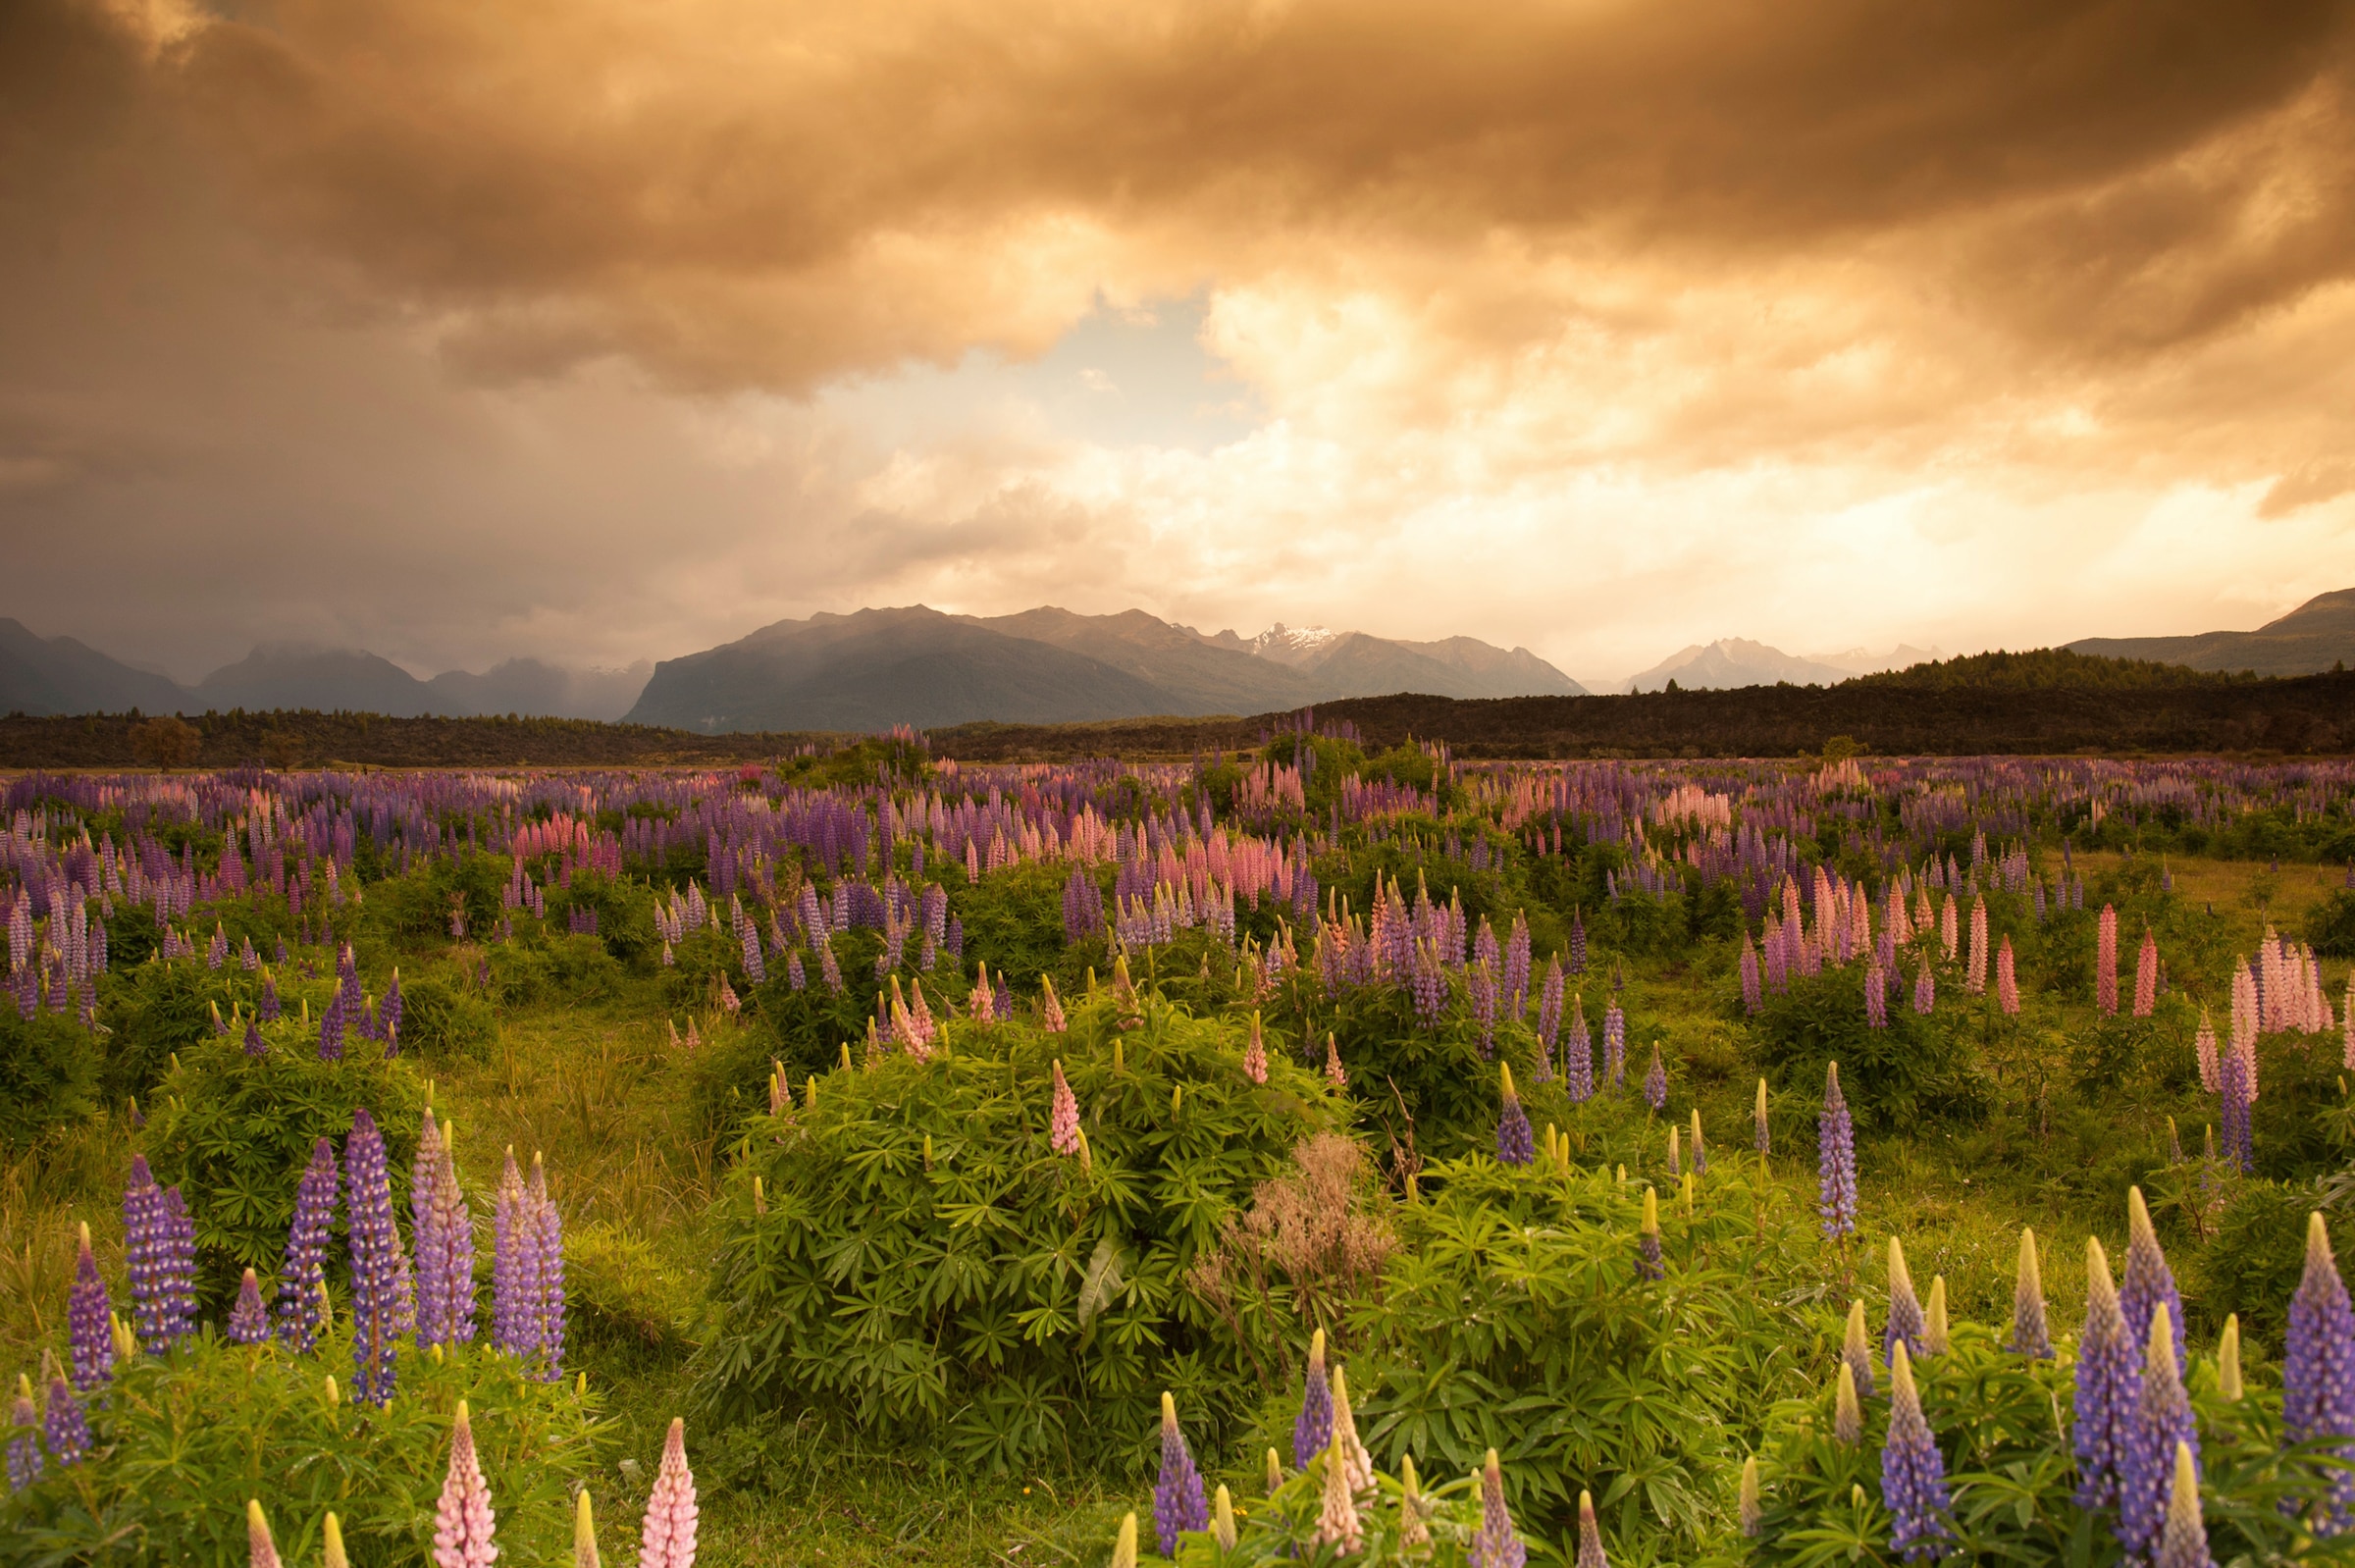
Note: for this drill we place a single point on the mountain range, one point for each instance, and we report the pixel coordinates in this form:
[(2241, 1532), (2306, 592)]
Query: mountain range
[(917, 665), (2307, 640), (1733, 661)]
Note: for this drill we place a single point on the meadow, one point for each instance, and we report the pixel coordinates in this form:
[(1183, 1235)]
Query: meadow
[(1311, 1153)]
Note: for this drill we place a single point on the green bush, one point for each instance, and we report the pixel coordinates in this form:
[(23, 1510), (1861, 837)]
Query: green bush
[(48, 1075), (235, 1133), (182, 1442), (446, 1017), (552, 967), (2257, 1252), (928, 1264), (1916, 1070), (2330, 924), (154, 1010)]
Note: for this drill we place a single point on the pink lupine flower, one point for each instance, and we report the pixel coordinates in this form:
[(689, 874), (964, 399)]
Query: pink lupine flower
[(463, 1523), (1054, 1020), (2007, 980), (1063, 1125), (2146, 975), (668, 1537), (1255, 1055), (1334, 1074), (2105, 962)]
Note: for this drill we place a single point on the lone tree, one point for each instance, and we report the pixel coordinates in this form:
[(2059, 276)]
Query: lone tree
[(167, 742)]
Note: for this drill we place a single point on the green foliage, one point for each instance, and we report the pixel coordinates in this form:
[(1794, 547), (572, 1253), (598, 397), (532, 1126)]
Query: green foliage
[(2040, 669), (182, 1442), (550, 965), (154, 1010), (2330, 924), (1914, 1071), (1283, 1526), (48, 1075), (1013, 1305), (2259, 1250), (235, 1133), (446, 1016), (1513, 1316)]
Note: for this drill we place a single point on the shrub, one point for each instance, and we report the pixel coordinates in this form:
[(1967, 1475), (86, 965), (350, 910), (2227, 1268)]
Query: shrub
[(182, 1441), (2330, 924), (154, 1010), (1916, 1070), (446, 1017), (48, 1075), (235, 1133), (927, 1263), (553, 967)]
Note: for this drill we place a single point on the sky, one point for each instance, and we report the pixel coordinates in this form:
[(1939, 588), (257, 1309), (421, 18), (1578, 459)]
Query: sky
[(599, 331)]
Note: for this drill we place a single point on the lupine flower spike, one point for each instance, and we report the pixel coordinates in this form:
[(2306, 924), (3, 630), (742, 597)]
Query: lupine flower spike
[(260, 1550), (2162, 1423), (1655, 1080), (1848, 1415), (1414, 1530), (666, 1540), (1761, 1134), (1933, 1328), (1222, 1520), (1063, 1119), (2227, 1359), (249, 1324), (2318, 1372), (1337, 1524), (87, 1312), (1749, 1509), (1589, 1535), (584, 1532), (1905, 1320), (1835, 1160), (1856, 1348), (1357, 1465), (331, 1550), (2145, 1286), (1496, 1544), (2109, 1387), (2183, 1542), (2029, 1336), (463, 1523), (1515, 1144), (66, 1428), (25, 1462), (1255, 1055), (1649, 1263), (1913, 1472), (1178, 1503), (1312, 1430)]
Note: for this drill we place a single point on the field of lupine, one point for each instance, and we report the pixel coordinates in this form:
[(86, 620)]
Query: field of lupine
[(1299, 1155)]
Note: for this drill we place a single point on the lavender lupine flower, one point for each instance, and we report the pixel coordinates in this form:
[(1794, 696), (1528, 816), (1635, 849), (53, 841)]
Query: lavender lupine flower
[(256, 1045), (1496, 1544), (87, 1313), (1762, 1133), (1913, 1472), (65, 1428), (462, 1522), (249, 1324), (425, 1235), (1514, 1144), (1856, 1349), (1577, 1057), (2318, 1373), (514, 1282), (1578, 941), (1312, 1429), (1589, 1535), (2183, 1540), (2232, 1078), (666, 1540), (25, 1462), (1753, 1001), (445, 1251), (2161, 1423), (1177, 1500), (1648, 1262), (175, 1268), (1835, 1160), (548, 1229), (1655, 1080), (1614, 1044), (1550, 1011), (1906, 1324), (1062, 1117), (2146, 1284), (1925, 990), (375, 1265), (2109, 1387), (331, 1029), (303, 1275), (144, 1254), (2029, 1336), (1700, 1153)]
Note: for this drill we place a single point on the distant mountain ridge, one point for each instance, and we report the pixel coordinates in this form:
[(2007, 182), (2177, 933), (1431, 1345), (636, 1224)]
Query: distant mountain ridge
[(913, 664), (2317, 636)]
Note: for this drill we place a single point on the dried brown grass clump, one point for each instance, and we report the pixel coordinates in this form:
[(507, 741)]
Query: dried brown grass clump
[(1306, 1245)]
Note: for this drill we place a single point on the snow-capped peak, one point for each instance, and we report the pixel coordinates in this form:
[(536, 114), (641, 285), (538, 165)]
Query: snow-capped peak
[(1285, 643)]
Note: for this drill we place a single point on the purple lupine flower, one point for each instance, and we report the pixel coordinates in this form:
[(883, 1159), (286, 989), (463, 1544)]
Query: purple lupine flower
[(249, 1324), (1589, 1535), (143, 1254), (464, 1520), (548, 1239), (1906, 1324), (514, 1275), (331, 1029), (65, 1428), (376, 1258), (175, 1262), (1655, 1080), (2159, 1424), (255, 1046), (1312, 1429), (1177, 1500), (2318, 1373), (1649, 1264), (389, 1014), (1577, 1057), (1835, 1160), (1549, 1012), (667, 1538), (303, 1275), (1496, 1544), (1913, 1471), (1925, 990), (269, 1008), (1855, 1350), (2146, 1284), (25, 1462), (1753, 1001), (2232, 1076), (2109, 1385), (1514, 1144), (2031, 1337), (1578, 942), (796, 976), (425, 1235), (2183, 1540), (1614, 1045), (86, 1315), (445, 1252)]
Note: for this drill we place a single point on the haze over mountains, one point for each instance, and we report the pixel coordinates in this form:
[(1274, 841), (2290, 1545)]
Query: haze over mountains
[(878, 667)]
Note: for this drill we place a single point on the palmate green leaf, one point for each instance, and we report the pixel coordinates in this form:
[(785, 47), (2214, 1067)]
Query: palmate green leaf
[(1102, 1283)]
